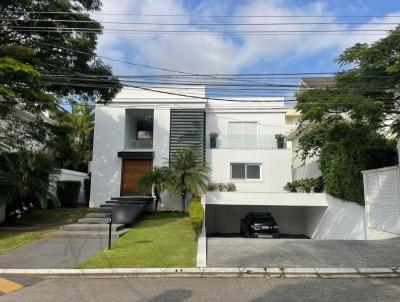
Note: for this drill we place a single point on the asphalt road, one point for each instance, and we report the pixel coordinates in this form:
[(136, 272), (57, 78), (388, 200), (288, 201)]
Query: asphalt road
[(208, 289), (250, 252)]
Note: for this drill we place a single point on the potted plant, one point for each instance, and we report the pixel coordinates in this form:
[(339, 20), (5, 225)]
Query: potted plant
[(213, 140), (280, 140)]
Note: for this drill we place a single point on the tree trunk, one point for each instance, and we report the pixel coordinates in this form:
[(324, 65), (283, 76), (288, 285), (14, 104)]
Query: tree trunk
[(183, 197), (156, 204)]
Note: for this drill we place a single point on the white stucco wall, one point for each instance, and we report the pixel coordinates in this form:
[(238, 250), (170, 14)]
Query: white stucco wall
[(275, 168), (109, 136), (341, 220), (106, 166)]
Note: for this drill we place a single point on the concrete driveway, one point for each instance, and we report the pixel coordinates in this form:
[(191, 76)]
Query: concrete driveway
[(249, 252)]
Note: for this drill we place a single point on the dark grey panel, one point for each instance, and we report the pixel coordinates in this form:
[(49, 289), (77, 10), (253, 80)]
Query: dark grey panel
[(187, 130)]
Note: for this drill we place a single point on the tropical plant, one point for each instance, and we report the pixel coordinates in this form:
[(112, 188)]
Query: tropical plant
[(291, 186), (212, 186), (279, 136), (79, 124), (230, 187), (188, 174), (156, 178), (221, 186), (26, 178)]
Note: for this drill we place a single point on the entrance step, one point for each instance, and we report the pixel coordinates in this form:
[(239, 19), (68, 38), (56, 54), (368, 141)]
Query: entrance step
[(133, 198), (91, 227), (98, 215), (88, 234), (127, 202), (94, 220)]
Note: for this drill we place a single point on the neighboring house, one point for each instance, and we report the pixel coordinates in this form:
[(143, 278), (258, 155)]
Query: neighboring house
[(308, 168)]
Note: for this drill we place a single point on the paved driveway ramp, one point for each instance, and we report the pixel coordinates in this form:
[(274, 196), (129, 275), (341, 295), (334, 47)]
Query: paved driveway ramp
[(246, 252)]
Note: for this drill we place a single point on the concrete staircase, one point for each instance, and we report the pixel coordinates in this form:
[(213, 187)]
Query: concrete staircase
[(95, 225)]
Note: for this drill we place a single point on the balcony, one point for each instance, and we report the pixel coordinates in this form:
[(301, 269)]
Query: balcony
[(138, 129), (247, 142)]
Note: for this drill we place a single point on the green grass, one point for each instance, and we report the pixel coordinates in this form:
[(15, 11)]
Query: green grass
[(161, 240), (12, 240), (47, 219), (53, 216)]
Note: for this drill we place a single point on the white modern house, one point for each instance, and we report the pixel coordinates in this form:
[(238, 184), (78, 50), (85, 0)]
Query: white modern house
[(143, 128)]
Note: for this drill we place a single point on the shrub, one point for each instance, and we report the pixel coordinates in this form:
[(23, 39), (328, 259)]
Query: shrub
[(86, 187), (212, 186), (196, 214), (230, 187), (68, 192), (221, 186)]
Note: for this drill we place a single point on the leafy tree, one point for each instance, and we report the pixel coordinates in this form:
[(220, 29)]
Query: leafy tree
[(156, 178), (188, 174), (79, 126), (347, 125), (39, 66)]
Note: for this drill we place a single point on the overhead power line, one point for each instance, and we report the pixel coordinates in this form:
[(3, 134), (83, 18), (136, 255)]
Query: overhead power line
[(80, 29), (198, 24), (195, 15)]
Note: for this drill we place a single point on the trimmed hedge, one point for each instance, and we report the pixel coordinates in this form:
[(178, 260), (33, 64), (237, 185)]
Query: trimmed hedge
[(196, 214), (68, 192)]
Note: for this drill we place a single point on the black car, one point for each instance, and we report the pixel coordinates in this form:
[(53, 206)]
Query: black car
[(257, 224)]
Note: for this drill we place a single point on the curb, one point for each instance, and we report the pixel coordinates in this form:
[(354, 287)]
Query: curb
[(230, 272)]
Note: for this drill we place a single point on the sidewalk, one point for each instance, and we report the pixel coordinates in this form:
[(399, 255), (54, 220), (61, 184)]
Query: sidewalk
[(52, 253)]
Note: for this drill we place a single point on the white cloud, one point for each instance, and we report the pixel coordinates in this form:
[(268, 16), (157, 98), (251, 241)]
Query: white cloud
[(216, 53)]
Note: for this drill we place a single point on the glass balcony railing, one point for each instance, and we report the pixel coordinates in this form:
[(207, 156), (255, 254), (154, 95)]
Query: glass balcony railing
[(266, 141), (139, 144)]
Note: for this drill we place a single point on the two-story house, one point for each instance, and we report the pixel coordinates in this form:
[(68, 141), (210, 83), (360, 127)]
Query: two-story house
[(143, 128)]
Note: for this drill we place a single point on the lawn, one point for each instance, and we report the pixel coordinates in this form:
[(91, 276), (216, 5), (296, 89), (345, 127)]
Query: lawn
[(157, 240), (36, 225)]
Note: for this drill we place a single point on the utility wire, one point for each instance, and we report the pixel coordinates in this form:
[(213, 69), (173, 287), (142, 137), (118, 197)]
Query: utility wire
[(198, 24)]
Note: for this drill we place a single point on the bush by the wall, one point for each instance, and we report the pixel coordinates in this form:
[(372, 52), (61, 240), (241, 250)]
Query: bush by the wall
[(196, 214), (231, 187), (86, 187), (212, 186), (221, 186), (68, 192)]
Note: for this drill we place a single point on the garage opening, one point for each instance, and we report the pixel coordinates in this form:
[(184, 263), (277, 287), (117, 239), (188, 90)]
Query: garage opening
[(293, 221)]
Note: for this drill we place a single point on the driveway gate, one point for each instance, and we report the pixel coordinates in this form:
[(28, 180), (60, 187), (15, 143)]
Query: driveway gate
[(382, 199)]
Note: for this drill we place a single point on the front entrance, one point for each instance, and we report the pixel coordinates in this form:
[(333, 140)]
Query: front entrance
[(132, 171)]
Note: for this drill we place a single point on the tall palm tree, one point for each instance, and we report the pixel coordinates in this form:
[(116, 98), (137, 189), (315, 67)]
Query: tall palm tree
[(80, 122), (156, 178), (188, 174)]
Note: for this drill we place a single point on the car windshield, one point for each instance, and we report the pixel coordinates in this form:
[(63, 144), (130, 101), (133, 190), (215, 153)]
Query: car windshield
[(261, 220)]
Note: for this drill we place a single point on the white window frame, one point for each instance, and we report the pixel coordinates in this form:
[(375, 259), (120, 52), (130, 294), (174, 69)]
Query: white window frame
[(245, 172), (243, 147)]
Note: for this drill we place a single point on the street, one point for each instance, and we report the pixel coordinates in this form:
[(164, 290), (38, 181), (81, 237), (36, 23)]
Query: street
[(205, 289)]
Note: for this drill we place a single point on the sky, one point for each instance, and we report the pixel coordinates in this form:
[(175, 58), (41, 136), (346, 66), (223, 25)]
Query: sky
[(237, 54)]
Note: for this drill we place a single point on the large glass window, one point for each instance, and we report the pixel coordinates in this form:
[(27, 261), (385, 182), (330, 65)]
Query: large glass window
[(244, 171), (242, 135)]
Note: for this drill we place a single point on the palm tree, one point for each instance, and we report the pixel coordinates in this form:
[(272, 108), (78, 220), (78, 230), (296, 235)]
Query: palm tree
[(156, 178), (80, 122), (188, 174), (26, 177)]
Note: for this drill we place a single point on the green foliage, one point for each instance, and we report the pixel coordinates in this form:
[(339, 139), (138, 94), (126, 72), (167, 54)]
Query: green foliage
[(25, 178), (73, 142), (188, 174), (230, 187), (345, 149), (221, 187), (291, 186), (279, 136), (212, 186), (156, 178), (68, 192), (343, 124), (306, 184), (196, 214), (38, 69), (213, 135)]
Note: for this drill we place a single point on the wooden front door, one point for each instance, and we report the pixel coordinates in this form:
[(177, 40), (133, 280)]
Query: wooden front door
[(132, 171)]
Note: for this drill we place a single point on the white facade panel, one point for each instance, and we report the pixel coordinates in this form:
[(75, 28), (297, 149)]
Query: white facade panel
[(275, 168), (106, 165)]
